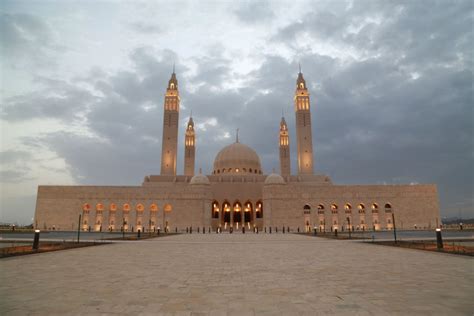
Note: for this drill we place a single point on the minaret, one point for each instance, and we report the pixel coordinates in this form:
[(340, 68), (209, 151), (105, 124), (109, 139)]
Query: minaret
[(284, 149), (189, 148), (170, 128), (304, 139)]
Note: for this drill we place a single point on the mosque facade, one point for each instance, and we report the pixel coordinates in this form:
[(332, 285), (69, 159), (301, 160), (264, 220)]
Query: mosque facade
[(237, 193)]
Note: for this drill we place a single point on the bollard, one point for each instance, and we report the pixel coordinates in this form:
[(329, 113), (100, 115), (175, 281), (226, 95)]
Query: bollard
[(265, 229), (298, 229), (270, 229), (288, 229), (198, 229), (335, 232), (209, 230), (243, 229), (231, 229), (439, 239), (204, 230), (256, 229), (36, 240), (191, 229), (276, 229), (315, 230), (158, 231), (138, 234)]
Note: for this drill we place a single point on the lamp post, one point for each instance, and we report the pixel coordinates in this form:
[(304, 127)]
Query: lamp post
[(349, 224), (79, 228), (36, 240), (123, 228), (394, 227), (439, 239)]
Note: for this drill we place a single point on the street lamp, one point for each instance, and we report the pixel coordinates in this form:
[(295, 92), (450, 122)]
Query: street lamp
[(349, 224)]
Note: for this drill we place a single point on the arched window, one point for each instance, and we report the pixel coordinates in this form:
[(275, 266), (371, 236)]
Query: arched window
[(139, 207), (259, 209), (126, 207), (333, 208), (112, 207), (388, 208), (154, 207), (375, 208), (99, 207), (361, 208), (86, 207), (167, 208), (320, 209), (306, 209), (348, 208)]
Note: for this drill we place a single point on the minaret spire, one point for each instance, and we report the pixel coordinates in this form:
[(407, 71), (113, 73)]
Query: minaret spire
[(299, 65), (169, 150), (304, 138), (173, 68), (237, 135), (285, 169), (189, 147)]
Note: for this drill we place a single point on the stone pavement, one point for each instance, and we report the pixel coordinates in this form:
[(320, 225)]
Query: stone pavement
[(237, 275)]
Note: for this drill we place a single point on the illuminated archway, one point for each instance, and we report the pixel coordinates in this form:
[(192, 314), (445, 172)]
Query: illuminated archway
[(226, 212), (259, 209), (237, 212), (215, 209), (248, 210)]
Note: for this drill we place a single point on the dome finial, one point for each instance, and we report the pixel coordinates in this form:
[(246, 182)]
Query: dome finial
[(237, 136), (173, 67), (299, 65)]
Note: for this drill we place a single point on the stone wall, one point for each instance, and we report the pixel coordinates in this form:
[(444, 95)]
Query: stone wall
[(59, 207), (303, 204)]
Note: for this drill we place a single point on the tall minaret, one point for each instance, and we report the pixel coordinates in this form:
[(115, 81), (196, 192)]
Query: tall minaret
[(303, 127), (170, 128), (189, 148), (284, 149)]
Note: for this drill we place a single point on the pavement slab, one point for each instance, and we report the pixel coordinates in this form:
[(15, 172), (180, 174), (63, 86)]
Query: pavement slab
[(237, 274)]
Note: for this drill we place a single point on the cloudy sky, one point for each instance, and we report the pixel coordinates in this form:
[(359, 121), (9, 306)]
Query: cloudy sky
[(82, 86)]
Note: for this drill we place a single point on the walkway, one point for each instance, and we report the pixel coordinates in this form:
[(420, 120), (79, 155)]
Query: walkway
[(237, 275)]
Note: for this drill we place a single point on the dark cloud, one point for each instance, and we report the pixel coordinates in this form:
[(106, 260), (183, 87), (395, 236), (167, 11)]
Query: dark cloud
[(254, 11), (12, 156), (14, 176), (146, 28), (28, 40), (400, 113)]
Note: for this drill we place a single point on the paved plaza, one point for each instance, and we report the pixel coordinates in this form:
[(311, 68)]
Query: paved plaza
[(278, 274)]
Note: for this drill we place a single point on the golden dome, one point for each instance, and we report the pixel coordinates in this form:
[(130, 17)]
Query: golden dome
[(237, 158)]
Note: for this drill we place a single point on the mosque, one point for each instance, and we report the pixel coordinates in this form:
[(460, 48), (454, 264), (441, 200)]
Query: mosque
[(237, 194)]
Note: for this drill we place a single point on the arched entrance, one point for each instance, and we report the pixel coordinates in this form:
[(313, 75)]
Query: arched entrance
[(237, 214), (226, 214), (307, 217), (248, 214)]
